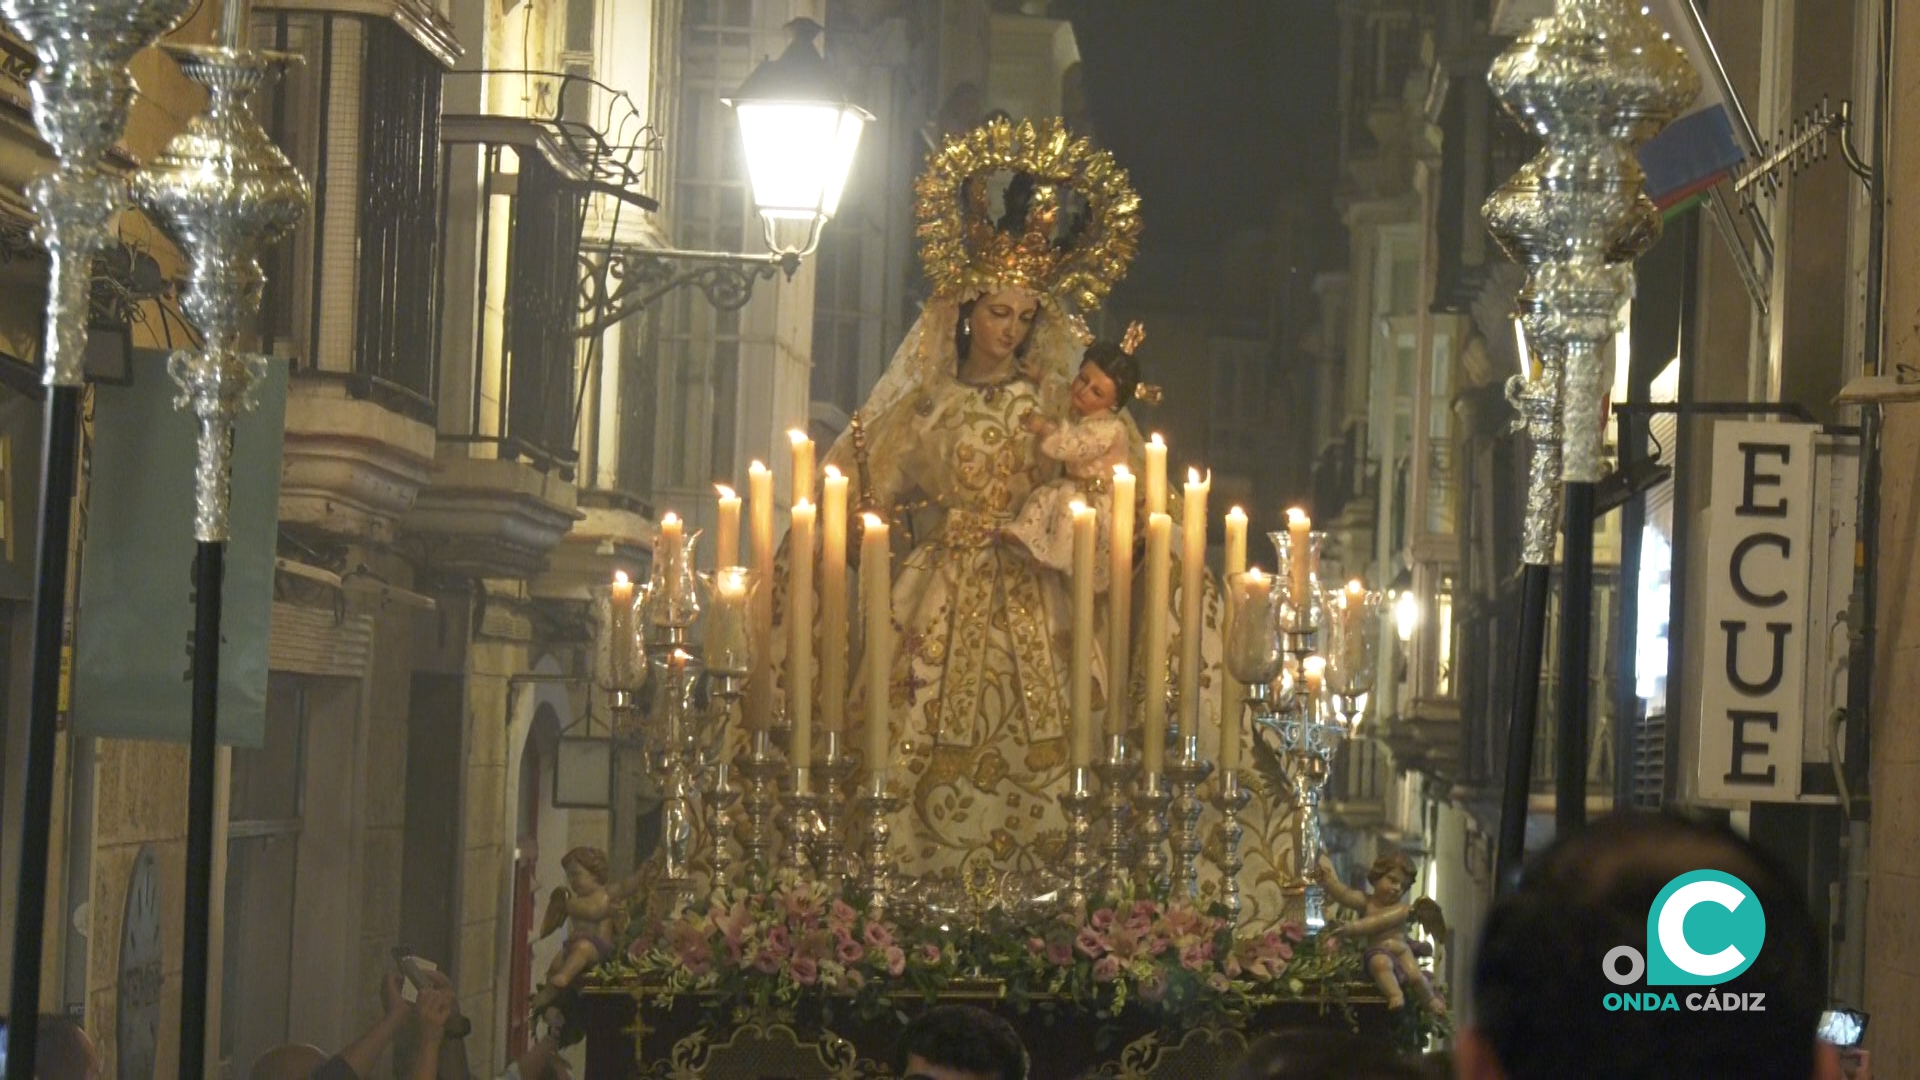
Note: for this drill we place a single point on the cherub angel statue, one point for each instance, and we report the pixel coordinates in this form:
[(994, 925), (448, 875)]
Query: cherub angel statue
[(595, 909), (1384, 916)]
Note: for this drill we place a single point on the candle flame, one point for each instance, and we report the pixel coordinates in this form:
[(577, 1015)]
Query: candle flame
[(797, 436), (1315, 666), (1157, 440), (1255, 576), (873, 521), (1077, 507), (669, 518), (1356, 586), (833, 472), (1193, 477), (758, 466), (620, 577), (803, 504), (1237, 513), (725, 491), (1297, 516), (1120, 471)]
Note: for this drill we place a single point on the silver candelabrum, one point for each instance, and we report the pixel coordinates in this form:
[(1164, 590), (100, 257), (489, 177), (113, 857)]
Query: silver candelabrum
[(878, 804), (831, 774), (1116, 771), (225, 193), (1077, 804), (1187, 771), (82, 91)]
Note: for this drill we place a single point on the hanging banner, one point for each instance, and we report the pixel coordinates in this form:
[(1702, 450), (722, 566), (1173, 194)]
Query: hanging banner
[(134, 629), (1758, 586)]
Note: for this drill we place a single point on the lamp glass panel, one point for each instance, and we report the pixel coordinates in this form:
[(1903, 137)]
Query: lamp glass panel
[(791, 150)]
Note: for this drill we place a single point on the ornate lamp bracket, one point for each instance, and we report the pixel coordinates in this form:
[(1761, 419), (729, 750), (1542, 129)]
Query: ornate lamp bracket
[(618, 283)]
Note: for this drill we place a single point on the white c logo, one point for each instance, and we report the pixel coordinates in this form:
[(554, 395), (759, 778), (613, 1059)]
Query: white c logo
[(1673, 935)]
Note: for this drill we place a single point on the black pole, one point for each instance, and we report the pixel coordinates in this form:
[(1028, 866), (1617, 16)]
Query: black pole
[(1535, 583), (59, 471), (209, 570), (1576, 635)]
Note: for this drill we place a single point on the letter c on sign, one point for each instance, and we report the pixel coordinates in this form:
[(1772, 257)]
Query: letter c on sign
[(1737, 568), (1673, 934), (1635, 969)]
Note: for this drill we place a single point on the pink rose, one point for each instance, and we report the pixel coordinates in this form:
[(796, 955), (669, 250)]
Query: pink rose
[(1138, 924), (851, 951), (1154, 989), (841, 915), (896, 960), (1195, 957), (1293, 932), (1145, 907), (1101, 920), (767, 963), (778, 940), (876, 935), (1106, 969), (1089, 943), (1059, 954), (806, 970), (930, 954)]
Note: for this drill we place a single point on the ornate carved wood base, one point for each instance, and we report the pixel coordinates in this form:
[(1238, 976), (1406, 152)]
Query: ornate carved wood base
[(694, 1038)]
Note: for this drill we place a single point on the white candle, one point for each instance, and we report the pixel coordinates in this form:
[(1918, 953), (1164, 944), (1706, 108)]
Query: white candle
[(1156, 475), (800, 637), (1250, 588), (726, 534), (760, 525), (669, 548), (1120, 601), (1193, 576), (833, 602), (1299, 555), (1081, 668), (620, 631), (1356, 638), (1314, 671), (877, 584), (802, 466), (726, 634), (1153, 755), (1231, 692)]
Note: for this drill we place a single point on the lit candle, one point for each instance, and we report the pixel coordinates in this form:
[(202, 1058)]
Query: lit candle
[(877, 584), (726, 534), (1081, 669), (669, 547), (1120, 600), (620, 631), (1252, 586), (760, 528), (1156, 475), (1193, 574), (1314, 671), (802, 466), (833, 602), (1354, 612), (1299, 555), (800, 639), (725, 634), (1231, 692), (1153, 755)]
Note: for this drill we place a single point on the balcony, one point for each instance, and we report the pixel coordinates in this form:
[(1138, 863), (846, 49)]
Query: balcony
[(1357, 789), (351, 299)]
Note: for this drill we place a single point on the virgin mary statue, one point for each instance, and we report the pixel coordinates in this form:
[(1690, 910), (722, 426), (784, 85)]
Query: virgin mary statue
[(1023, 227)]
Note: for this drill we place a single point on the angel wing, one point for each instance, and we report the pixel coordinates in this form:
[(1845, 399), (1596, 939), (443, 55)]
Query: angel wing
[(556, 912), (1427, 913)]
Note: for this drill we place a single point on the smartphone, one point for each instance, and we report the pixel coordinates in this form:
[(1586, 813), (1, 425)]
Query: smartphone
[(1843, 1028)]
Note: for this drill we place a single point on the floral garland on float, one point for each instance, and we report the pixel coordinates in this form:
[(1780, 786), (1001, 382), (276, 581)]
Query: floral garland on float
[(803, 949)]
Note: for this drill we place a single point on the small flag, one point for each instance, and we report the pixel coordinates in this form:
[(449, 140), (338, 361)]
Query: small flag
[(1698, 149)]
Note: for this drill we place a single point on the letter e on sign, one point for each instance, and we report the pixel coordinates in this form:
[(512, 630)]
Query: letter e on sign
[(1759, 535)]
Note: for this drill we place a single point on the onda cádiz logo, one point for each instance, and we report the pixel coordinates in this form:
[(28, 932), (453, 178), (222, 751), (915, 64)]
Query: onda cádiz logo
[(1704, 928)]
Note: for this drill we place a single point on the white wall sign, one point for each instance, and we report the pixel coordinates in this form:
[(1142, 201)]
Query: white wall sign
[(1753, 668)]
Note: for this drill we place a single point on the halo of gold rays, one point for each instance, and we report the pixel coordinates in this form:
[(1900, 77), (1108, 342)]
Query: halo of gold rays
[(961, 256)]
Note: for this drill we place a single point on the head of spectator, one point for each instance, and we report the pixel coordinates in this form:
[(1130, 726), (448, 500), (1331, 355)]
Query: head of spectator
[(1321, 1054), (62, 1051), (960, 1042), (1539, 986), (288, 1061)]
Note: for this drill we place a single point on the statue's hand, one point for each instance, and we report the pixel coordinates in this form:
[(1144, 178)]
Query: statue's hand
[(1036, 423)]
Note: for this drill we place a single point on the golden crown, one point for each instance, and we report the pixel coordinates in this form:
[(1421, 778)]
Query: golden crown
[(1026, 205)]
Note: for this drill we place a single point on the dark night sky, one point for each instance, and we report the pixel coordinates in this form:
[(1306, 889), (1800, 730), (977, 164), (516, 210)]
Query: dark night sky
[(1215, 107)]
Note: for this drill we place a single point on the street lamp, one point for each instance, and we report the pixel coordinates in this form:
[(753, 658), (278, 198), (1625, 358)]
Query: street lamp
[(800, 133)]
